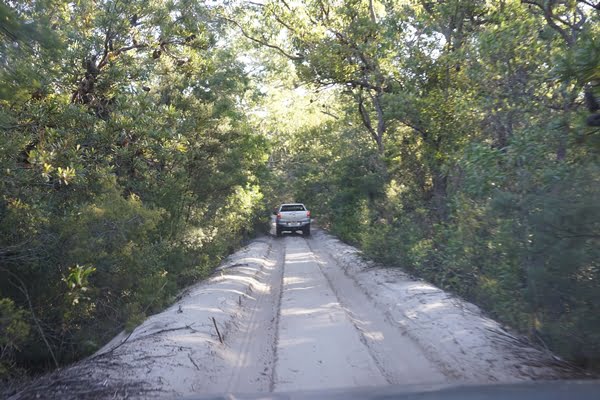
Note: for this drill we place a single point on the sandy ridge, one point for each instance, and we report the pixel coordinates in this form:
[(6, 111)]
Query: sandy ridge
[(455, 334), (177, 352)]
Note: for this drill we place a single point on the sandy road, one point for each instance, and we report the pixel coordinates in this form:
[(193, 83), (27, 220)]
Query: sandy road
[(298, 313), (331, 336), (308, 326)]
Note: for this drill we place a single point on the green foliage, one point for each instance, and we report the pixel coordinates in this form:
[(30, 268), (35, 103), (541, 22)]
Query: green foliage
[(14, 332), (129, 168), (486, 180)]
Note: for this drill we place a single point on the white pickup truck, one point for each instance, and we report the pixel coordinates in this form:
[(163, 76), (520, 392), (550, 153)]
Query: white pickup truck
[(292, 217)]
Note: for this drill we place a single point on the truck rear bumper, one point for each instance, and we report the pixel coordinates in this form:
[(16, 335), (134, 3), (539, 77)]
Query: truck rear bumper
[(295, 225)]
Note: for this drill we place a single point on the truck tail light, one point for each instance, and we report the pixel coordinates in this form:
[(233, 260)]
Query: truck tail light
[(308, 214)]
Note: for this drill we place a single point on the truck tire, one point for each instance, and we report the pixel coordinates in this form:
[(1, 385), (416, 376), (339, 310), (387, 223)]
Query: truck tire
[(306, 230)]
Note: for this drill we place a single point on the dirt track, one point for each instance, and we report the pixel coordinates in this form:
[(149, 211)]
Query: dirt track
[(330, 334), (300, 313)]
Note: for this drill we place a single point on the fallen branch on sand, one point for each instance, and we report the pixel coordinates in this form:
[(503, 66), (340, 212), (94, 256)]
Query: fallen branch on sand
[(217, 329)]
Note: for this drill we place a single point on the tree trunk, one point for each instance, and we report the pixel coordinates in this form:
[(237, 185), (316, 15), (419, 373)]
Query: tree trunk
[(440, 186)]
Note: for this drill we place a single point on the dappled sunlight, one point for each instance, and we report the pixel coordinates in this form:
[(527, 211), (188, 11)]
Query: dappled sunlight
[(246, 272), (299, 262), (356, 320), (210, 296), (300, 288), (207, 290), (432, 306), (242, 262), (301, 311), (321, 317), (239, 269), (421, 287), (294, 256), (187, 339), (294, 280), (296, 341), (374, 335), (199, 308), (428, 311), (299, 257), (249, 260), (229, 278), (256, 285)]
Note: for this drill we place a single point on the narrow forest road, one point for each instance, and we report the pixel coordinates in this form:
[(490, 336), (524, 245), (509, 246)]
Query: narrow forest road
[(331, 336), (298, 313)]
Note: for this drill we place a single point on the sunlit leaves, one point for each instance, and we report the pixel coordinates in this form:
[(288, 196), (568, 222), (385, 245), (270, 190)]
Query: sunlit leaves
[(77, 282), (120, 139)]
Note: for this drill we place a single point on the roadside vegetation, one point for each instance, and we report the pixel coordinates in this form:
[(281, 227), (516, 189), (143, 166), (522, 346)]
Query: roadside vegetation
[(143, 141), (458, 140), (128, 169)]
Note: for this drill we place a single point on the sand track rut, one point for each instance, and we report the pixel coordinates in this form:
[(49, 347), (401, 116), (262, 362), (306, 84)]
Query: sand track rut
[(328, 340)]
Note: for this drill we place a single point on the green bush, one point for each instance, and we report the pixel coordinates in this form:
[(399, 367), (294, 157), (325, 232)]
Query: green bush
[(14, 332)]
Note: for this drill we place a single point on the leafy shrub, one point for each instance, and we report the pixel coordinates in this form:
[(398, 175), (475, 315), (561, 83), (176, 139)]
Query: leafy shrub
[(14, 332)]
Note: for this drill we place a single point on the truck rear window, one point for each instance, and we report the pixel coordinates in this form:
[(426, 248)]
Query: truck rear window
[(293, 207)]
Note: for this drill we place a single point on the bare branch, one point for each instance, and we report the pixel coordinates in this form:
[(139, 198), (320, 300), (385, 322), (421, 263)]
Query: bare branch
[(372, 12), (416, 127), (376, 99), (262, 42), (330, 114), (20, 285), (366, 118), (120, 51), (107, 40), (253, 3), (551, 19)]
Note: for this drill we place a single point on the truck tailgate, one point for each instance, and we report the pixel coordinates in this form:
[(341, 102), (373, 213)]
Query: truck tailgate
[(293, 215)]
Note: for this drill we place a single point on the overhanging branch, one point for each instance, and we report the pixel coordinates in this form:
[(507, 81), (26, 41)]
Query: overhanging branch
[(262, 42)]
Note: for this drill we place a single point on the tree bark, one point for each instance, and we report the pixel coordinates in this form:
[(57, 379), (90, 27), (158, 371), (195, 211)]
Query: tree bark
[(440, 186)]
